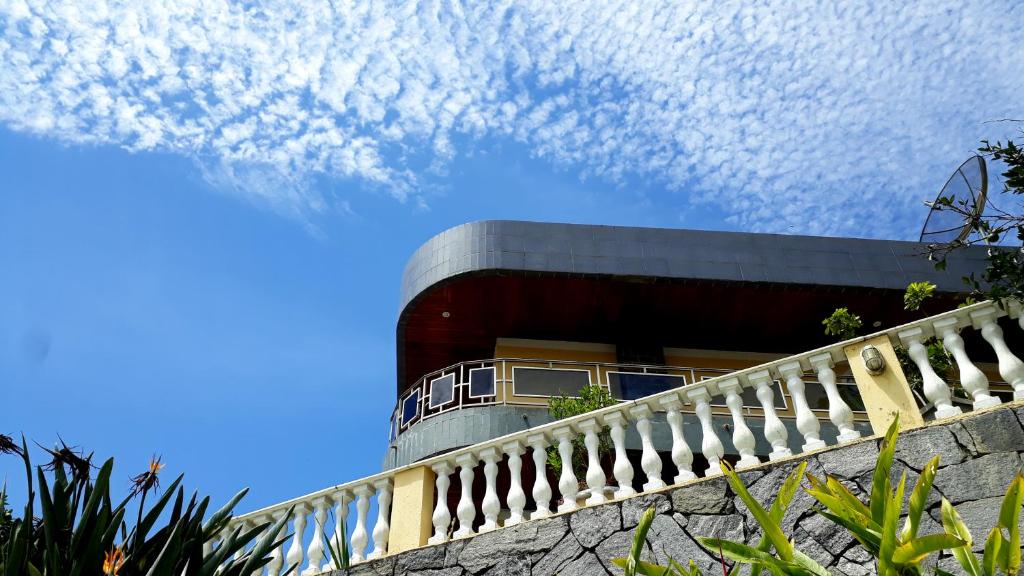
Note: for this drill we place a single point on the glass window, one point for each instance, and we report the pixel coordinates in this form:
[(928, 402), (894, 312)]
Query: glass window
[(749, 396), (410, 407), (442, 390), (481, 382), (634, 385), (548, 381), (818, 400)]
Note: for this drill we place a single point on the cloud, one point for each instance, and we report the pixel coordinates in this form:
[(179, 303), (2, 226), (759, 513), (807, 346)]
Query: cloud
[(831, 118)]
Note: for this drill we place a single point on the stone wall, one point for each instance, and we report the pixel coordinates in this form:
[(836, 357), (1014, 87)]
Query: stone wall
[(980, 454)]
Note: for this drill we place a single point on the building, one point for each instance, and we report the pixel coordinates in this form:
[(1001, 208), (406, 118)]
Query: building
[(498, 316)]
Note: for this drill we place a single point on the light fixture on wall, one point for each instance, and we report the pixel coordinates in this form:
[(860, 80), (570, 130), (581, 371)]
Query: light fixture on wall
[(873, 360), (445, 314)]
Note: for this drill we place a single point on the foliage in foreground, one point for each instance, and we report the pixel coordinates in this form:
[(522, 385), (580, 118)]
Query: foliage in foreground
[(875, 524), (83, 533)]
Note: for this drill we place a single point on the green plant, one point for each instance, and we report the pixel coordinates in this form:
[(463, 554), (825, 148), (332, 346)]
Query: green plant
[(590, 398), (916, 294), (1002, 547), (82, 532), (842, 324), (338, 546)]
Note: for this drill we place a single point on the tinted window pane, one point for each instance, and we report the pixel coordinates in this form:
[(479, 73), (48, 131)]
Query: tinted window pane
[(749, 397), (818, 400), (410, 407), (548, 382), (442, 390), (631, 386), (481, 382)]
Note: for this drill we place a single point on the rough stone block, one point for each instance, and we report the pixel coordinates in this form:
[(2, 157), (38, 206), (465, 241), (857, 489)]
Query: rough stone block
[(825, 532), (668, 540), (633, 508), (617, 546), (980, 516), (996, 431), (586, 565), (983, 477), (488, 549), (916, 447), (592, 525), (563, 553), (850, 461), (708, 497), (420, 559), (728, 526)]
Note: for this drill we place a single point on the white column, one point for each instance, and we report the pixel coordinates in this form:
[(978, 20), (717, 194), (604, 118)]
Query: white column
[(277, 554), (541, 488), (650, 462), (568, 485), (622, 469), (595, 474), (742, 437), (466, 511), (441, 518), (682, 457), (243, 526), (710, 445), (838, 411), (516, 498), (490, 506), (934, 388), (806, 421), (295, 551), (774, 430), (382, 528), (1011, 369), (359, 536), (972, 379), (315, 553), (341, 501)]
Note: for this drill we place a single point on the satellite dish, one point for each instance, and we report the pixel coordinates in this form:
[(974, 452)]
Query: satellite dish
[(967, 188)]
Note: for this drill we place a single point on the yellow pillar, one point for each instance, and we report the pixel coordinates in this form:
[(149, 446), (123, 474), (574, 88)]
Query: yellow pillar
[(411, 509), (886, 393)]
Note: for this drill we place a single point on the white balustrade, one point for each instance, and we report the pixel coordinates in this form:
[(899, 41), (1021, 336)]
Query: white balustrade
[(933, 387), (360, 538), (742, 437), (466, 510), (382, 528), (295, 551), (621, 468), (516, 497), (710, 445), (650, 462), (1011, 369), (838, 410), (277, 554), (806, 421), (774, 430), (972, 379), (441, 518), (595, 474), (490, 506), (316, 552), (541, 488), (341, 500), (682, 457), (242, 528), (568, 485)]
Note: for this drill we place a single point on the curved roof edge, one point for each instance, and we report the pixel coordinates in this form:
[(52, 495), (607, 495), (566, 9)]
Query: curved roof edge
[(676, 254)]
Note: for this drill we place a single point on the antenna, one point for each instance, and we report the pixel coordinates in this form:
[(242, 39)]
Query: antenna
[(965, 190)]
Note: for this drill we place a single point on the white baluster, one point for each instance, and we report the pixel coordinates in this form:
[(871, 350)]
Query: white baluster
[(442, 518), (622, 469), (682, 457), (650, 462), (341, 501), (315, 552), (1011, 369), (934, 388), (838, 411), (490, 506), (516, 498), (466, 511), (382, 528), (568, 485), (972, 379), (742, 437), (806, 421), (541, 488), (277, 554), (595, 474), (710, 445), (295, 551), (242, 527), (774, 430), (359, 536)]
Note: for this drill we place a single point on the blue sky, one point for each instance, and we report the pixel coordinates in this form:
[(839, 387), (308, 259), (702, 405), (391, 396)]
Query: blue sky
[(205, 209)]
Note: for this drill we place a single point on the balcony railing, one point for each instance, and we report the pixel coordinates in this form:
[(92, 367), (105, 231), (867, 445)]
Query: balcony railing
[(306, 547)]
